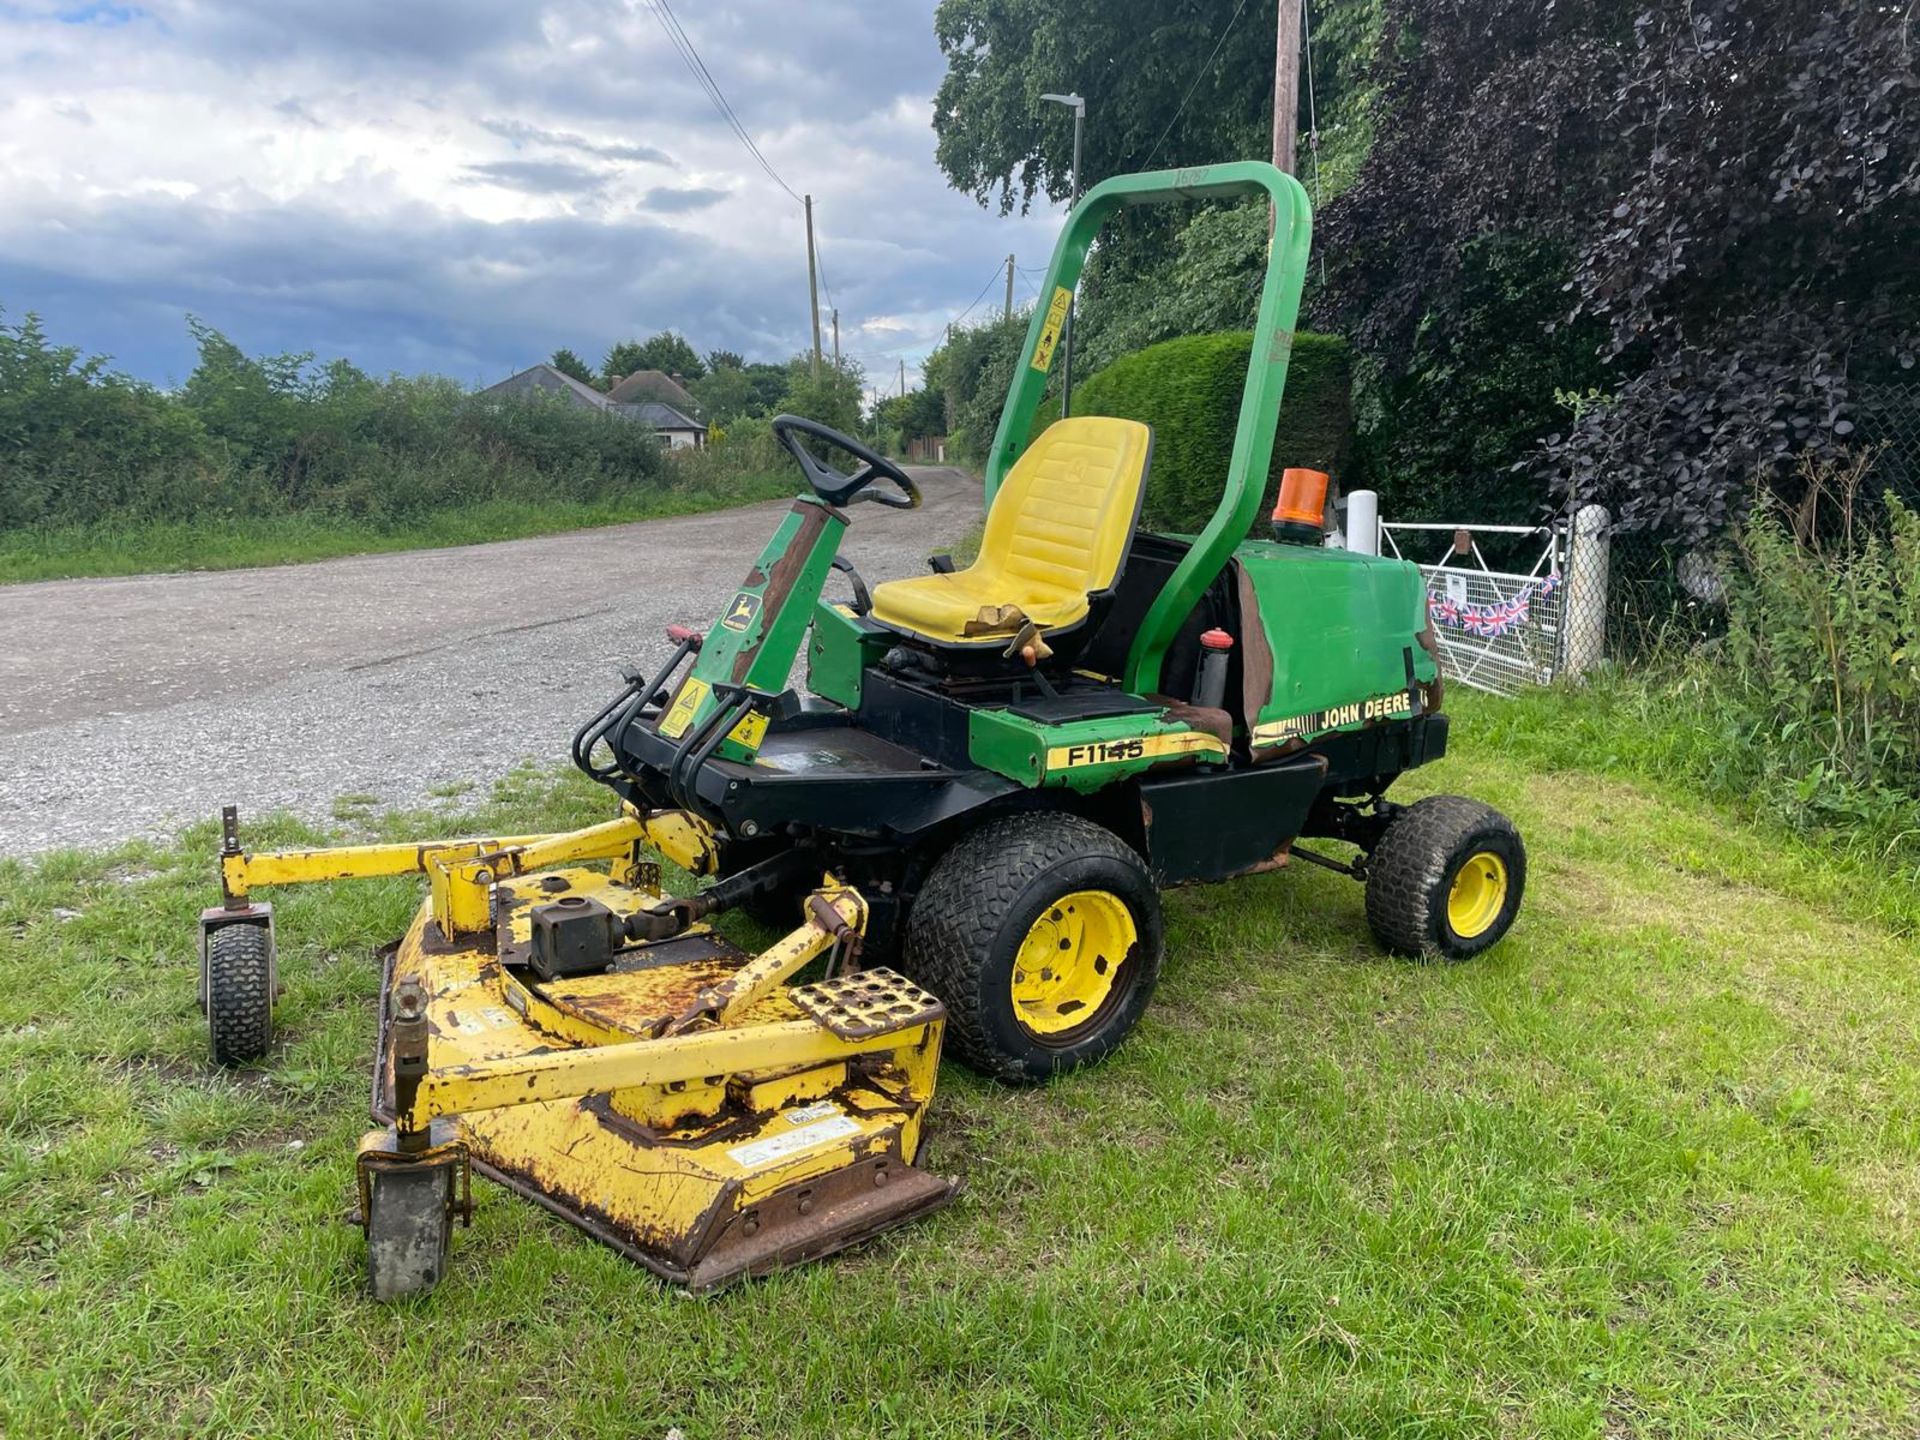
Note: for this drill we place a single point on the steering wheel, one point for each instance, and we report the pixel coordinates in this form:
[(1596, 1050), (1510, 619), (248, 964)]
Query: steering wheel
[(836, 487)]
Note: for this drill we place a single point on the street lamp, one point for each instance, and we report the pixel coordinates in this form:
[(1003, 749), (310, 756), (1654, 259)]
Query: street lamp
[(1079, 107)]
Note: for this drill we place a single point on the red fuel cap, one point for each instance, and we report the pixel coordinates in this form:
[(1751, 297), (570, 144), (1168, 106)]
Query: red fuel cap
[(1217, 640)]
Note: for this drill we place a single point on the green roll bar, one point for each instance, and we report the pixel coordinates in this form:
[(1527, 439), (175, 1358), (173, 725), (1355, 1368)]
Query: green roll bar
[(1259, 401)]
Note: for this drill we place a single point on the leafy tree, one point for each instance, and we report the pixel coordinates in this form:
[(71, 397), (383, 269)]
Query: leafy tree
[(724, 393), (911, 416), (832, 399), (1734, 185), (1134, 61), (1207, 279), (666, 352), (972, 372), (725, 360), (78, 441), (568, 363)]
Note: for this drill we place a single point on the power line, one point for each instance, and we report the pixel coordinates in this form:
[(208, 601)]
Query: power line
[(1198, 77), (690, 57), (820, 259), (998, 271)]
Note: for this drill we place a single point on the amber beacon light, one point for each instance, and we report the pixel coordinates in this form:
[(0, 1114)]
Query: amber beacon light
[(1303, 501)]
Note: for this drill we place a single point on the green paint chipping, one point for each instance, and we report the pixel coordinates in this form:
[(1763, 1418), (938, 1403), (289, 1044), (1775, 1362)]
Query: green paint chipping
[(1341, 626), (839, 652), (768, 629)]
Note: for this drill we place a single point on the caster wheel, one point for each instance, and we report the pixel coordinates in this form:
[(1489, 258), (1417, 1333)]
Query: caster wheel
[(238, 996), (409, 1230)]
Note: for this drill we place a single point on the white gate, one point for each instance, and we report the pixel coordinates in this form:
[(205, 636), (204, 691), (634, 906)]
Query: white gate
[(1498, 630)]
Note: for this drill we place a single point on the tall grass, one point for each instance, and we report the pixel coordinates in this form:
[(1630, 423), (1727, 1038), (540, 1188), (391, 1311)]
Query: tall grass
[(1807, 710)]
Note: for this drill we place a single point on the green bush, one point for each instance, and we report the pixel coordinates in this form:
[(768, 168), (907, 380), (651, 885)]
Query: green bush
[(1189, 390), (1822, 653), (1806, 712), (279, 435)]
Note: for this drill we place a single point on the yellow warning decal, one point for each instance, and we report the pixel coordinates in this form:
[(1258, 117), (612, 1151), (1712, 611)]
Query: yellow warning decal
[(749, 732), (1137, 747), (1050, 332), (1355, 712), (680, 714)]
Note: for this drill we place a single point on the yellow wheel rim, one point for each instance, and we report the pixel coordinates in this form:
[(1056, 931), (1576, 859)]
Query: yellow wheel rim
[(1478, 895), (1069, 959)]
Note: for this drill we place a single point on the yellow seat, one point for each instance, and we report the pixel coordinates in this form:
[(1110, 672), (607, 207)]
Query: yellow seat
[(1056, 535)]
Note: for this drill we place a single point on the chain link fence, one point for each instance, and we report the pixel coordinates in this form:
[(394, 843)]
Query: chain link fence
[(1516, 605)]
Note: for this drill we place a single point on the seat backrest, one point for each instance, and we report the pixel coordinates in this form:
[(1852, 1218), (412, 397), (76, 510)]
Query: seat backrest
[(1063, 516)]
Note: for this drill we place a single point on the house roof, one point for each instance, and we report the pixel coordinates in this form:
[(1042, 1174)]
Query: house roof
[(657, 385), (544, 379), (660, 417)]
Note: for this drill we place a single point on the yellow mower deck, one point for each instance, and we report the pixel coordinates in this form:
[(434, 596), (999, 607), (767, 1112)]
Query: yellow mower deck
[(677, 1098), (702, 1180)]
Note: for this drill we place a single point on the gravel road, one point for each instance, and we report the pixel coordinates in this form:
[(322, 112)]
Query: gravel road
[(130, 705)]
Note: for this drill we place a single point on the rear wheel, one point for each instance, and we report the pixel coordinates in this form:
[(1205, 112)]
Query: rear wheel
[(239, 993), (1042, 934), (1446, 878)]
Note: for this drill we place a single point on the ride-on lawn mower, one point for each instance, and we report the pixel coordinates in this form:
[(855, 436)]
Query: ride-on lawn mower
[(970, 809)]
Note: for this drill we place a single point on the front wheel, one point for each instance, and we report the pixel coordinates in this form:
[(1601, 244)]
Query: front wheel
[(238, 993), (1445, 879), (1042, 934)]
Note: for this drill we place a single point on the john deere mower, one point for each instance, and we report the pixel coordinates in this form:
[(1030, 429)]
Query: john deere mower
[(966, 813)]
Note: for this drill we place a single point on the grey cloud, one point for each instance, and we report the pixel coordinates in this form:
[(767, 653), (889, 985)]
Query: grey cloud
[(420, 289), (538, 177), (421, 34), (671, 201), (421, 292), (521, 133), (294, 108)]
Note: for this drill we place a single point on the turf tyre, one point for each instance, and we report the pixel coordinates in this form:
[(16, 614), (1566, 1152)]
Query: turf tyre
[(967, 925), (239, 993), (1412, 871)]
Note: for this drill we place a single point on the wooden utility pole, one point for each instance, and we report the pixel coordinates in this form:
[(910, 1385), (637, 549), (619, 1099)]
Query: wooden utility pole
[(903, 374), (1286, 84), (1009, 314), (836, 337), (813, 288)]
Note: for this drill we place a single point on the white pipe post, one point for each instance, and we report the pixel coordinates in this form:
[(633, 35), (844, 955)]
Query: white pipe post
[(1363, 522), (1583, 616)]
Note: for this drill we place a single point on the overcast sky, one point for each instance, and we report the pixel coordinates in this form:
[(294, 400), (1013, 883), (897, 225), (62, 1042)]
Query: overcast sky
[(424, 185)]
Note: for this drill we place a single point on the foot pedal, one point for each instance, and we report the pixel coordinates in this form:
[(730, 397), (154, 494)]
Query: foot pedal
[(866, 1003)]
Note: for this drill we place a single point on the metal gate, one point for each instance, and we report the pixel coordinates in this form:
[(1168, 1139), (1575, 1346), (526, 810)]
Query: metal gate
[(1498, 630)]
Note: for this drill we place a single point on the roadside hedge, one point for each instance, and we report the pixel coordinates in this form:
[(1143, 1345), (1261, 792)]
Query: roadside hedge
[(1189, 391), (280, 435)]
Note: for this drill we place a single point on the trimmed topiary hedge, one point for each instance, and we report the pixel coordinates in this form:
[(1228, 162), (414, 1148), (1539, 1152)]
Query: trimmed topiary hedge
[(1189, 391)]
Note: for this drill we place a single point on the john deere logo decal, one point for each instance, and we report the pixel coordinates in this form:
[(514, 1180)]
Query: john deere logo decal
[(1318, 722), (740, 614)]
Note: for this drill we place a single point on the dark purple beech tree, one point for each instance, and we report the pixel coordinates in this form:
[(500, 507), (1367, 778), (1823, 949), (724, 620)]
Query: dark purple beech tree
[(1732, 188)]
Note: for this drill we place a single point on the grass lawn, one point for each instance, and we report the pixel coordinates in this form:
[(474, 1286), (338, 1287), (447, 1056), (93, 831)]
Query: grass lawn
[(239, 543), (1650, 1167)]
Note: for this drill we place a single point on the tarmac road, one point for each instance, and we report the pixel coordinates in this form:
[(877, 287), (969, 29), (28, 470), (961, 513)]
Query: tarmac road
[(128, 706)]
